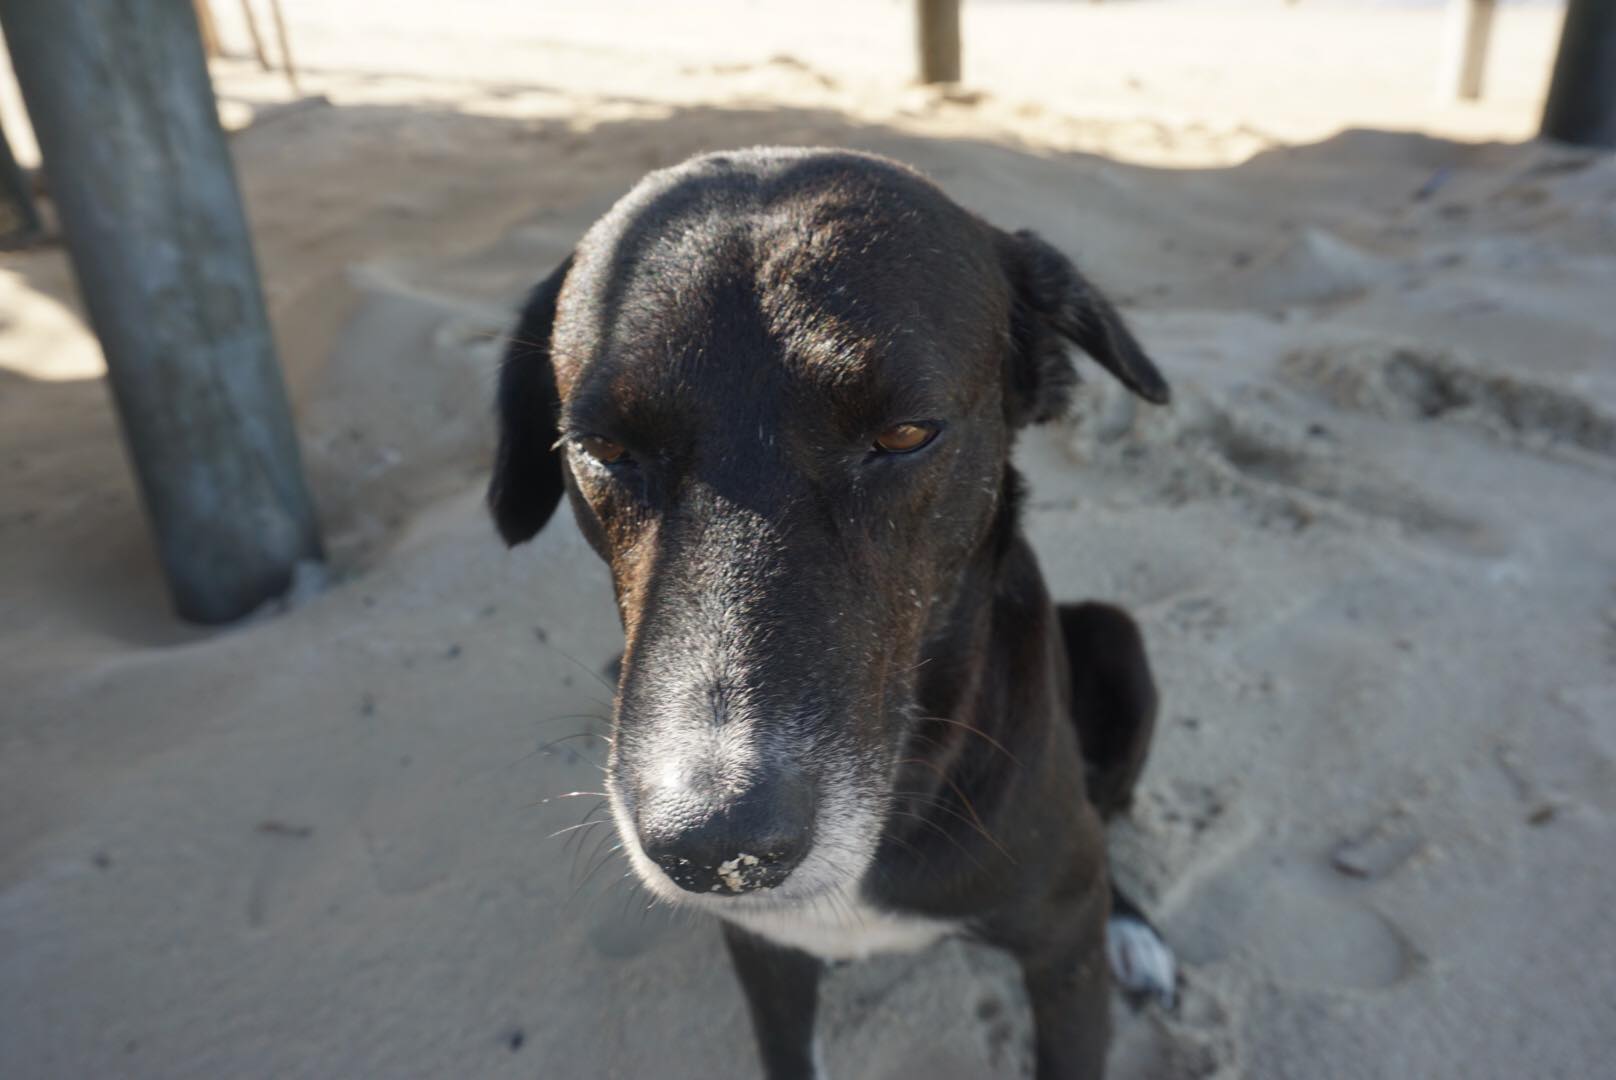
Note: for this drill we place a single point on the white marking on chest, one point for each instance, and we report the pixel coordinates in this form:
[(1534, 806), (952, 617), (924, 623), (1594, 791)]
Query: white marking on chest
[(850, 930)]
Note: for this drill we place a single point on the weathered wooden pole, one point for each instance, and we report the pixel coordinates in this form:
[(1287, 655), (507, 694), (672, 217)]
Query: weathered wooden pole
[(252, 32), (937, 33), (286, 47), (119, 97), (208, 28), (1470, 31), (1582, 96)]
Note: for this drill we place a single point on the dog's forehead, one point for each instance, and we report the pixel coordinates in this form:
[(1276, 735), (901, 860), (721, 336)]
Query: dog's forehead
[(832, 270)]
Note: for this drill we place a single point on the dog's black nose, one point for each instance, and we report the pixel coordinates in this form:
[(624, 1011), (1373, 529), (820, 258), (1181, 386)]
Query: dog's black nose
[(729, 844)]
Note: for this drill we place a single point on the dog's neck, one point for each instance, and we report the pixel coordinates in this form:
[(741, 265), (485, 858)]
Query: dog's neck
[(1002, 616), (991, 698), (989, 663)]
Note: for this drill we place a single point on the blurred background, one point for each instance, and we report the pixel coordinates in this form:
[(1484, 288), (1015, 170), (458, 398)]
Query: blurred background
[(314, 827)]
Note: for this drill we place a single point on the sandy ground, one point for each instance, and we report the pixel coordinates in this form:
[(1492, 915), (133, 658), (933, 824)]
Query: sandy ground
[(1371, 545)]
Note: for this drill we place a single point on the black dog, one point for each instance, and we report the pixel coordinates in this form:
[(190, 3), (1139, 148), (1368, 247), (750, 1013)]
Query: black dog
[(780, 389)]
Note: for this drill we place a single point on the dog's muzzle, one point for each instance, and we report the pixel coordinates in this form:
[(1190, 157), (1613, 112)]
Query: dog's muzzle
[(708, 838)]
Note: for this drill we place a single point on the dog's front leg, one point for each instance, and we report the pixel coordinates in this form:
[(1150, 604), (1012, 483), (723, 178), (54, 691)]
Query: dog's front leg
[(1069, 992), (1060, 946), (782, 993)]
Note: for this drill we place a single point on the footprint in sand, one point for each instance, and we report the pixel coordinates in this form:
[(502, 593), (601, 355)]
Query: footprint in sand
[(1200, 1042), (1314, 267), (1406, 381), (1297, 926), (1271, 461)]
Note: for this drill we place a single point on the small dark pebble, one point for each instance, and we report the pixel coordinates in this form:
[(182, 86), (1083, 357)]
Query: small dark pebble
[(1434, 184), (515, 1040), (988, 1008), (539, 632), (367, 706), (1542, 815), (281, 828), (101, 860), (452, 652), (1240, 259)]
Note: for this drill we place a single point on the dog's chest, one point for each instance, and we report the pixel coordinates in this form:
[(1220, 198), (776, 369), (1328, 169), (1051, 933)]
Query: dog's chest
[(851, 930)]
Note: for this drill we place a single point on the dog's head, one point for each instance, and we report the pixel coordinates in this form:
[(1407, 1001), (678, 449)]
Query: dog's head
[(780, 388)]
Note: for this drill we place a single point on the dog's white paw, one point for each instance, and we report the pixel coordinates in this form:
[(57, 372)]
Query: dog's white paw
[(1141, 962)]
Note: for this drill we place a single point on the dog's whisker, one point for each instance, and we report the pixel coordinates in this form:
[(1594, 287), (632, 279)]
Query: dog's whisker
[(906, 845), (597, 717), (911, 670), (573, 828), (591, 672), (576, 839), (605, 858), (850, 913), (973, 729), (569, 795), (944, 833), (595, 852), (975, 827), (505, 335), (975, 818), (574, 846), (931, 740), (627, 905), (544, 747)]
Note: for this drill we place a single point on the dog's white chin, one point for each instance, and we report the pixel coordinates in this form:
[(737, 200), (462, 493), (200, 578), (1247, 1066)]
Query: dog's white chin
[(845, 840)]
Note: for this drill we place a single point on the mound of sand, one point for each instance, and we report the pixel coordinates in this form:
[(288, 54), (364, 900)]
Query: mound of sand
[(1370, 546)]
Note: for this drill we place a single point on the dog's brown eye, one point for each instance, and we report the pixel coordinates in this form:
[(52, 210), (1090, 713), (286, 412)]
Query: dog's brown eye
[(602, 450), (905, 438)]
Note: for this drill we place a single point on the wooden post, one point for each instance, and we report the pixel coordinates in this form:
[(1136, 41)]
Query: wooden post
[(142, 181), (1582, 96), (252, 32), (1471, 28), (19, 220), (286, 47), (937, 24), (210, 31)]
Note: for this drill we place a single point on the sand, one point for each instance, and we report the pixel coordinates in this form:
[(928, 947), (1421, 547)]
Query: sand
[(1371, 546)]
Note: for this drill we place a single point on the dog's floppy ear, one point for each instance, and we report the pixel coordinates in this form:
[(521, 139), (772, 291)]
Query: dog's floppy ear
[(1054, 305), (527, 482)]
